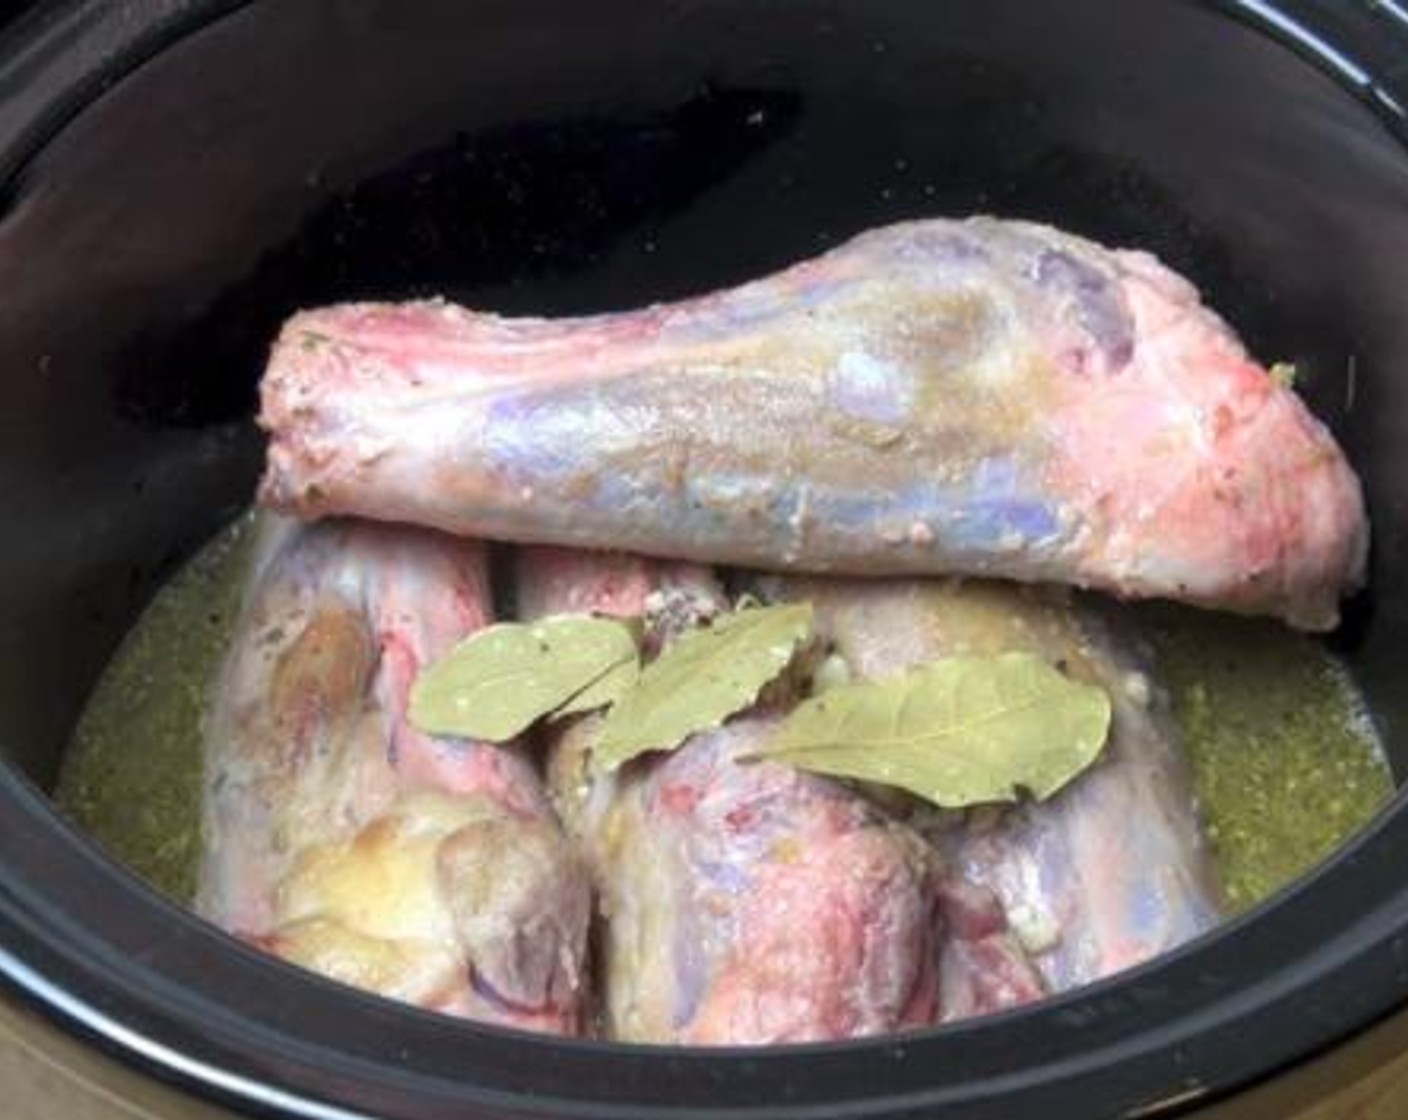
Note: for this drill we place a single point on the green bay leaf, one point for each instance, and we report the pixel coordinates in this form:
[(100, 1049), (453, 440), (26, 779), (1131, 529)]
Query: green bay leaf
[(960, 731), (701, 680), (499, 680), (604, 691)]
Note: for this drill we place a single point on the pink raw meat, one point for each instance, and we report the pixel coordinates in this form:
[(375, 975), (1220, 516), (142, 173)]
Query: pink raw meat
[(980, 397), (338, 837), (752, 903)]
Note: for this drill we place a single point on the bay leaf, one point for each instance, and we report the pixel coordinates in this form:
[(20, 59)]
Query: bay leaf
[(499, 680), (702, 679), (604, 691), (956, 732)]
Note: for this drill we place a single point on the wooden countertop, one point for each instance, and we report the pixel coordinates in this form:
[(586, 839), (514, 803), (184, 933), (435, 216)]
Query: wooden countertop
[(47, 1076)]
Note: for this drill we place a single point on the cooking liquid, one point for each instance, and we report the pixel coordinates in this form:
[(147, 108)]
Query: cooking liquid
[(131, 776), (1285, 759)]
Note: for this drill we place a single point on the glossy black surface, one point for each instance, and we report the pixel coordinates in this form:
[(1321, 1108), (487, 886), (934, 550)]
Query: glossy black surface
[(167, 199)]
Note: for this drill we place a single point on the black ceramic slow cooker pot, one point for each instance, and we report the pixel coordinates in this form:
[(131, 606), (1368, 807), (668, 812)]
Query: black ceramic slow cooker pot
[(177, 175)]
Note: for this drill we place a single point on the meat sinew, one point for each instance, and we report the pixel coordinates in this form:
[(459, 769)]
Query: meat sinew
[(339, 837), (935, 397), (1114, 869), (749, 903)]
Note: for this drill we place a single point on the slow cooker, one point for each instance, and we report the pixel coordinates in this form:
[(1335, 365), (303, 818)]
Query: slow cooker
[(178, 175)]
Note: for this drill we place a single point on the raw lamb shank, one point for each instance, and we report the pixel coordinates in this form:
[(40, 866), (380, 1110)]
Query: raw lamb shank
[(750, 903), (980, 397), (339, 837)]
